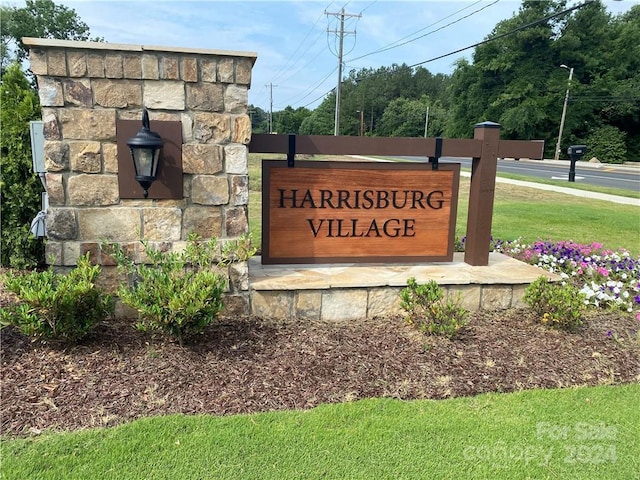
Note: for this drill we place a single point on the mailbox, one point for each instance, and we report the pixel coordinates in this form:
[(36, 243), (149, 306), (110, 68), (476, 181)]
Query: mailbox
[(575, 152)]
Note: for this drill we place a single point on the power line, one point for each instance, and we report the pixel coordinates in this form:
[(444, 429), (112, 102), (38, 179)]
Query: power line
[(497, 37), (314, 88), (365, 8), (286, 65), (318, 98), (491, 39), (292, 60), (502, 35), (395, 44), (293, 74), (610, 99), (355, 19)]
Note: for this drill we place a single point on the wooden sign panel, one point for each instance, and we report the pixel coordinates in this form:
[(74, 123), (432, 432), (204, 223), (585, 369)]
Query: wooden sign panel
[(356, 212)]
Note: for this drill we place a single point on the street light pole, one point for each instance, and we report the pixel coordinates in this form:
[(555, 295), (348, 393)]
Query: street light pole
[(564, 111), (361, 129), (426, 122)]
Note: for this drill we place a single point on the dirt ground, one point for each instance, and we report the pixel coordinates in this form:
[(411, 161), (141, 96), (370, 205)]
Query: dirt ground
[(243, 365)]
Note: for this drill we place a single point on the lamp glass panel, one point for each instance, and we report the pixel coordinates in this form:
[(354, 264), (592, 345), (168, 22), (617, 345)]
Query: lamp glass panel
[(156, 156), (143, 158)]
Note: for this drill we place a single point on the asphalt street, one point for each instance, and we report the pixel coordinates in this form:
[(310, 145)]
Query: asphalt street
[(605, 175)]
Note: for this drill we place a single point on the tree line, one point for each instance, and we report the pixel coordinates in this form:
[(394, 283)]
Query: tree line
[(514, 78)]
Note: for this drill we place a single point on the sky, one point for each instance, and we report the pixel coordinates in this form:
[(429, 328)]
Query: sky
[(294, 40)]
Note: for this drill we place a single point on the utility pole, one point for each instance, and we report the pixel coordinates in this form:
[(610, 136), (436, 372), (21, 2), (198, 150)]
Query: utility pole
[(270, 86), (341, 33), (426, 122), (564, 111)]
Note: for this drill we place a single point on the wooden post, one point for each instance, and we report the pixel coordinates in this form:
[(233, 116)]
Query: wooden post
[(481, 194)]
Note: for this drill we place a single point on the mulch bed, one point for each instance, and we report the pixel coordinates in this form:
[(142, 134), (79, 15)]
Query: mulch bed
[(244, 365)]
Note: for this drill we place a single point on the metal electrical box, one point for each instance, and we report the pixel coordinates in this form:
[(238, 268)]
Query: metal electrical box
[(38, 225), (37, 145)]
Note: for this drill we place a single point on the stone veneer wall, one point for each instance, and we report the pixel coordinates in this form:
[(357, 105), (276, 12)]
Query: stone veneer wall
[(84, 87)]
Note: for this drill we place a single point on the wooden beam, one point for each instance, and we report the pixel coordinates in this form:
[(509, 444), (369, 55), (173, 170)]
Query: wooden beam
[(521, 149), (382, 146)]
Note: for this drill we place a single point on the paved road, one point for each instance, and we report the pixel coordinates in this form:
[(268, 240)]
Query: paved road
[(627, 178)]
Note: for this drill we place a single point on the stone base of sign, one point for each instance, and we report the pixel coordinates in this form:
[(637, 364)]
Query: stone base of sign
[(346, 292)]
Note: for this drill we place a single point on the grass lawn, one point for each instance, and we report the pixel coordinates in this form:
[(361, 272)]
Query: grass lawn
[(566, 433), (532, 214), (519, 212)]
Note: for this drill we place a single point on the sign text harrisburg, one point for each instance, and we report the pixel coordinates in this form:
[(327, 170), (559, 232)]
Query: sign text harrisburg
[(320, 212)]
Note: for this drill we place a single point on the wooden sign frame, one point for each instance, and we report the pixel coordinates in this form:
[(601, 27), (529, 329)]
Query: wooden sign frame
[(358, 212)]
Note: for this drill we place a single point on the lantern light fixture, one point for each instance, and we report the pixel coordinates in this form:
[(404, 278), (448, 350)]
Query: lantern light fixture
[(145, 152)]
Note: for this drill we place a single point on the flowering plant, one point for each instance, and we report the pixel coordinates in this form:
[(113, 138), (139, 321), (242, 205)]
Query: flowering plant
[(607, 278)]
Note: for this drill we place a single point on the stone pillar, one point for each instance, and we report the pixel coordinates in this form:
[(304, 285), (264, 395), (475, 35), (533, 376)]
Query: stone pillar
[(84, 87)]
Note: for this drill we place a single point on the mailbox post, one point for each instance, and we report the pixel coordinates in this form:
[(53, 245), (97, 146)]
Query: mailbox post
[(575, 153)]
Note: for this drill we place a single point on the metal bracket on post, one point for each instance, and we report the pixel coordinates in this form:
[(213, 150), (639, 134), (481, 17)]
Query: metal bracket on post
[(291, 154), (438, 153)]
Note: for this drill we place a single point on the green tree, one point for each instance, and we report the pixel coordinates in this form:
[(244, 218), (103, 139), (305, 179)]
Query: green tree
[(607, 144), (20, 188), (508, 75), (289, 120), (40, 19), (466, 99), (370, 91), (404, 118), (516, 79), (614, 99), (321, 121), (259, 119)]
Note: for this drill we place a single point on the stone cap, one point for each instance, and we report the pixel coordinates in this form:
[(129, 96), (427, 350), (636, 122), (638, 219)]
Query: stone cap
[(53, 43)]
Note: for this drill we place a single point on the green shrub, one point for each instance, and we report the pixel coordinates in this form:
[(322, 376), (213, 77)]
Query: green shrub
[(607, 144), (239, 250), (57, 306), (559, 306), (20, 188), (177, 293), (427, 310)]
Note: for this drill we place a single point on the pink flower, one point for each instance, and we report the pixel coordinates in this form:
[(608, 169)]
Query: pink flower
[(603, 271)]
